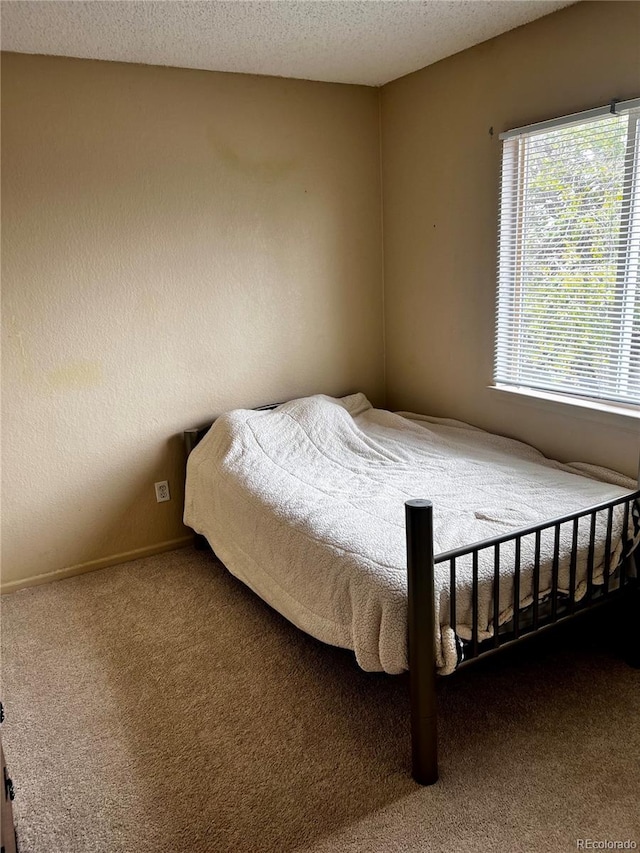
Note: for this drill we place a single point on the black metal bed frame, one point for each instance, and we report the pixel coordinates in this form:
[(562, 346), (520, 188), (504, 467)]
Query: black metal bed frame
[(421, 563)]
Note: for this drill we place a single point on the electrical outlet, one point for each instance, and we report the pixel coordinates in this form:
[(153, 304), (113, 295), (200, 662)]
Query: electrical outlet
[(162, 491)]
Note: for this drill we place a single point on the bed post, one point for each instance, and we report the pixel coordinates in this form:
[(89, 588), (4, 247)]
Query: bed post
[(422, 657)]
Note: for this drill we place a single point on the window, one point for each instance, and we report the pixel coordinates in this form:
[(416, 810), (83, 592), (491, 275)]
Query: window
[(568, 318)]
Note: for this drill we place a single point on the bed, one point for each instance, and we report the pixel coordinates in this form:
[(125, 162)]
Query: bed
[(319, 506)]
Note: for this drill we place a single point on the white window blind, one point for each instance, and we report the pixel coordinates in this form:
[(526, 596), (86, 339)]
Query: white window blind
[(568, 318)]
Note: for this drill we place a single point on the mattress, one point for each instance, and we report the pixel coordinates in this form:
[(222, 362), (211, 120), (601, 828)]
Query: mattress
[(305, 505)]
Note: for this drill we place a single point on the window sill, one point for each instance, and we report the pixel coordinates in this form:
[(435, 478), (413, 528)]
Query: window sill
[(622, 416)]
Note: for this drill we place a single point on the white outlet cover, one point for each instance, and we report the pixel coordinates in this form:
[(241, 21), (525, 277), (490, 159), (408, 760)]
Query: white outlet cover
[(162, 491)]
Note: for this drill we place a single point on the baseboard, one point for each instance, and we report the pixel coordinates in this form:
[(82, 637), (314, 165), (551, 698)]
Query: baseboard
[(94, 565)]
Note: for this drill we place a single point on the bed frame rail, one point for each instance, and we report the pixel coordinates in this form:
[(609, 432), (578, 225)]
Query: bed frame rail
[(558, 607)]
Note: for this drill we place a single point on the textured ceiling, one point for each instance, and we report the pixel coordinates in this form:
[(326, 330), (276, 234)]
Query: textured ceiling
[(342, 41)]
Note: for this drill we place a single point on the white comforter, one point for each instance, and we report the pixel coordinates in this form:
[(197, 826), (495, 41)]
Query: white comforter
[(305, 504)]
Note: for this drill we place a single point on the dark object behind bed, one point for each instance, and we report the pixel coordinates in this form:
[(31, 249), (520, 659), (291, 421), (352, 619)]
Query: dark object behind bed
[(558, 609), (195, 435)]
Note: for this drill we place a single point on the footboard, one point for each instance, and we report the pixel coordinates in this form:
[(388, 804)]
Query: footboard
[(558, 605)]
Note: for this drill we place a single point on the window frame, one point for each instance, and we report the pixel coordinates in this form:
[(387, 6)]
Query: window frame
[(508, 343)]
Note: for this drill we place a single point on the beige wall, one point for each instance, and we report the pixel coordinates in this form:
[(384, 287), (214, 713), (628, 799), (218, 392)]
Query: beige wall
[(175, 243), (440, 190)]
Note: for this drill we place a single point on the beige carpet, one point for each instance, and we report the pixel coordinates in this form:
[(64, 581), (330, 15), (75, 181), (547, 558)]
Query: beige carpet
[(160, 706)]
